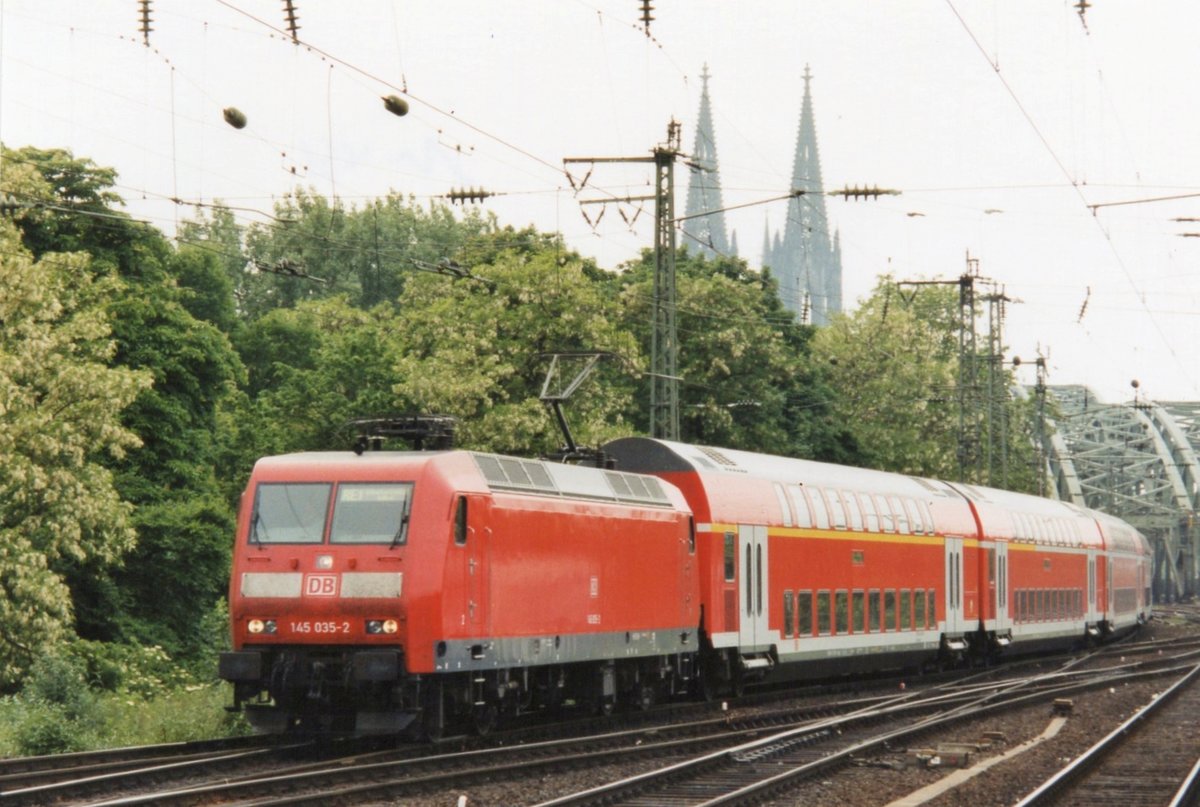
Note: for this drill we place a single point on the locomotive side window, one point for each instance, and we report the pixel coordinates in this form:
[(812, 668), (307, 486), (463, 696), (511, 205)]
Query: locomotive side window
[(371, 513), (460, 521), (691, 535), (730, 556), (286, 513)]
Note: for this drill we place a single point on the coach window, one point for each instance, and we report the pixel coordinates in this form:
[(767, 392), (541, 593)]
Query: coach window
[(873, 611), (783, 505), (858, 612), (804, 613), (901, 517), (837, 510), (460, 521), (915, 517), (927, 517), (872, 518), (932, 597), (841, 611), (889, 609), (856, 519), (823, 613), (919, 608), (800, 506), (905, 609), (820, 513), (886, 521), (789, 613), (730, 556)]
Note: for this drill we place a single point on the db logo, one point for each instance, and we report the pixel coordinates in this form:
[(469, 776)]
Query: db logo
[(320, 585)]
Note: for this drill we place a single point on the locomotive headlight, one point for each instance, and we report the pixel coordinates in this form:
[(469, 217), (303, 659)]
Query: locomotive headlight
[(255, 626), (390, 626), (377, 626)]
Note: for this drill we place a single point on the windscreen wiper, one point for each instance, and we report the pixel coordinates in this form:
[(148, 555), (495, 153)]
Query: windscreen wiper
[(403, 525)]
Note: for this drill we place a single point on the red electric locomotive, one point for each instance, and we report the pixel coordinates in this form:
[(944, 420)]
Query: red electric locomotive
[(810, 569), (384, 591)]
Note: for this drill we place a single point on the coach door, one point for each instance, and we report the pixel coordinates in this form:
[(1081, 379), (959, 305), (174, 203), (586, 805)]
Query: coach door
[(752, 558), (954, 585), (1093, 614), (1000, 601)]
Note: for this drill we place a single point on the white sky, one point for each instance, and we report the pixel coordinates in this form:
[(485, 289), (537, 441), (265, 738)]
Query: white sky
[(964, 105)]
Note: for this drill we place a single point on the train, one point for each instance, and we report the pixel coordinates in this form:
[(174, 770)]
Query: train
[(379, 591)]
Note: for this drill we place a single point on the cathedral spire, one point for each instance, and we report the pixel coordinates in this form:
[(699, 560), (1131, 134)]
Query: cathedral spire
[(704, 223), (807, 263)]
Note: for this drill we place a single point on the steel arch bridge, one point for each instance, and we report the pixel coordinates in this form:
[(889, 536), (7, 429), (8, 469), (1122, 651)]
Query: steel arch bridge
[(1137, 461)]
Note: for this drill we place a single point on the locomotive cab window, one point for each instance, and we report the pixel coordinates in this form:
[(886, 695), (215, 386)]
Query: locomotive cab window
[(371, 513), (460, 521), (289, 513), (730, 557)]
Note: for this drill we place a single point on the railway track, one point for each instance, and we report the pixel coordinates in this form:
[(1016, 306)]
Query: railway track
[(255, 768), (772, 766), (1151, 759)]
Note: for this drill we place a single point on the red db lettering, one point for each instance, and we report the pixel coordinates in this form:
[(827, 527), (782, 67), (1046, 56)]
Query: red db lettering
[(320, 585)]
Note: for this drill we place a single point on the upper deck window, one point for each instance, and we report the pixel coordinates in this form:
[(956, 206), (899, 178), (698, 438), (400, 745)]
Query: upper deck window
[(371, 513), (289, 513)]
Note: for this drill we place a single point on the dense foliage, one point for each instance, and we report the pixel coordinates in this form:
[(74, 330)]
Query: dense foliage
[(140, 378)]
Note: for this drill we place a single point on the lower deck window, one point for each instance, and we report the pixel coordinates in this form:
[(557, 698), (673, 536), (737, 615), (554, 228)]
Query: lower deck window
[(804, 613), (823, 615)]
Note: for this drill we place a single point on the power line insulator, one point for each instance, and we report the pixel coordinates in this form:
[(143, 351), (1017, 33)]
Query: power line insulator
[(396, 105), (144, 6), (293, 22), (234, 117), (856, 193), (647, 17), (464, 195)]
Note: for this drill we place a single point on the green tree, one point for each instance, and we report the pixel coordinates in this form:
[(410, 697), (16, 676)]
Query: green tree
[(477, 349), (893, 365), (192, 367), (60, 406), (747, 377), (362, 254)]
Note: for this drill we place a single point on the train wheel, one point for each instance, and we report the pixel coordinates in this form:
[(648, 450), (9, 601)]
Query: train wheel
[(483, 718), (433, 710), (645, 697)]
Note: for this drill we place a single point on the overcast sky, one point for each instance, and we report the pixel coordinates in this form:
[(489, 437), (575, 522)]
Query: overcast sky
[(1001, 122)]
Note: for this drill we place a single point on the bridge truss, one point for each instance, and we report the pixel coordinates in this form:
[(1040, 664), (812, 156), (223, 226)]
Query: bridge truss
[(1137, 461)]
